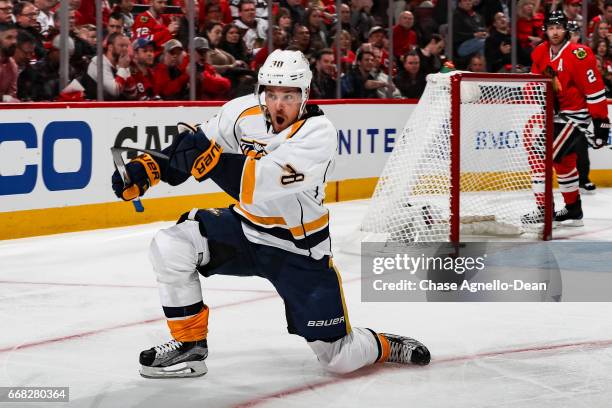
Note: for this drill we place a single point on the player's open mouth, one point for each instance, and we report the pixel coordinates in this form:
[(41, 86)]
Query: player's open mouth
[(280, 120)]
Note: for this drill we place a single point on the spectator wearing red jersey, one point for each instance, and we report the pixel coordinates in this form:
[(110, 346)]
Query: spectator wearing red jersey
[(404, 36), (143, 80), (210, 85), (155, 26), (528, 26), (172, 73), (347, 56)]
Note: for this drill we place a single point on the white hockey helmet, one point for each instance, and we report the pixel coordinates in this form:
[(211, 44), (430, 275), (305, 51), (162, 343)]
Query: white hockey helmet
[(286, 68)]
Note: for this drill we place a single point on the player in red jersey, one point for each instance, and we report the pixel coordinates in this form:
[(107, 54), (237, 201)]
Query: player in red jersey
[(579, 96)]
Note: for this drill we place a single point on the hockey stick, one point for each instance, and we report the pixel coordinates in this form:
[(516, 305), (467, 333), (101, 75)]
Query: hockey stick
[(125, 177), (120, 166), (155, 153)]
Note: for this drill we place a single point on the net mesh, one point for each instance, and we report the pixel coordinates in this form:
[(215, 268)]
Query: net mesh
[(502, 164)]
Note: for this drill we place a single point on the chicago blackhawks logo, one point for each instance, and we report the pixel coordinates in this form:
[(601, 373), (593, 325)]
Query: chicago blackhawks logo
[(580, 53)]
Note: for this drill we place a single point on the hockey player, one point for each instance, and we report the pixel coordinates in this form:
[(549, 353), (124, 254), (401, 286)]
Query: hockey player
[(579, 96), (272, 153)]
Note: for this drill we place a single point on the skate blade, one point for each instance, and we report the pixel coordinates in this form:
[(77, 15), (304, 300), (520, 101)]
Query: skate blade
[(587, 192), (181, 370), (568, 223)]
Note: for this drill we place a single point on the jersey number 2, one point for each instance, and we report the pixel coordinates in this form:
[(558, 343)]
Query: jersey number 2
[(591, 76)]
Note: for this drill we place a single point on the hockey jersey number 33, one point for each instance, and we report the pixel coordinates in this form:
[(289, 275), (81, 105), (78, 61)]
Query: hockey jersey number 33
[(283, 180)]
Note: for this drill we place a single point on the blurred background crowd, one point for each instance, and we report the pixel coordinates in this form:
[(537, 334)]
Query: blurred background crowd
[(357, 48)]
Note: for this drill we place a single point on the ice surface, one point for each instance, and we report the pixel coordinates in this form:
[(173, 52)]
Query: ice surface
[(76, 310)]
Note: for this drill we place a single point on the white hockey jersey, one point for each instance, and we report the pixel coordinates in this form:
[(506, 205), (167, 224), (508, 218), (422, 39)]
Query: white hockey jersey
[(283, 180)]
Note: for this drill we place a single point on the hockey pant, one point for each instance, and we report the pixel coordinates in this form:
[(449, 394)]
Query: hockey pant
[(211, 242), (568, 137)]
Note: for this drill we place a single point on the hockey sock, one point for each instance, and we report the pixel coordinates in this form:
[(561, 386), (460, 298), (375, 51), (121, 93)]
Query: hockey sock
[(567, 177), (192, 328)]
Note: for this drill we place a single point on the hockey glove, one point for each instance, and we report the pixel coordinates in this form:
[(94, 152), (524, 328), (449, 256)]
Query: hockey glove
[(194, 153), (143, 172), (601, 132)]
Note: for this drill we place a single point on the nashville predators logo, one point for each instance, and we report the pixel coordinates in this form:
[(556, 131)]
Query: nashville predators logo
[(580, 53), (253, 148)]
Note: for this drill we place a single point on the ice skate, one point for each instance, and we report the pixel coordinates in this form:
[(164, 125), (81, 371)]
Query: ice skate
[(570, 215), (405, 350), (534, 217), (587, 188), (175, 359)]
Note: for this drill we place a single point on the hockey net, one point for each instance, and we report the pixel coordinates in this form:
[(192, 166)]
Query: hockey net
[(470, 161)]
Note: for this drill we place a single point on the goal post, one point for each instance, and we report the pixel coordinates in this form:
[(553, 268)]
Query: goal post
[(474, 157)]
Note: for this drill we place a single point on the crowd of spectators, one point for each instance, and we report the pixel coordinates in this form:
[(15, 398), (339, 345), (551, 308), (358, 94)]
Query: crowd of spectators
[(145, 46)]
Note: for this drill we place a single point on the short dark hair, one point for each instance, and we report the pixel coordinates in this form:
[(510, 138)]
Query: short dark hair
[(426, 39), (410, 53), (7, 26), (324, 51), (296, 27), (361, 53), (242, 2), (18, 9), (607, 4), (116, 16)]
